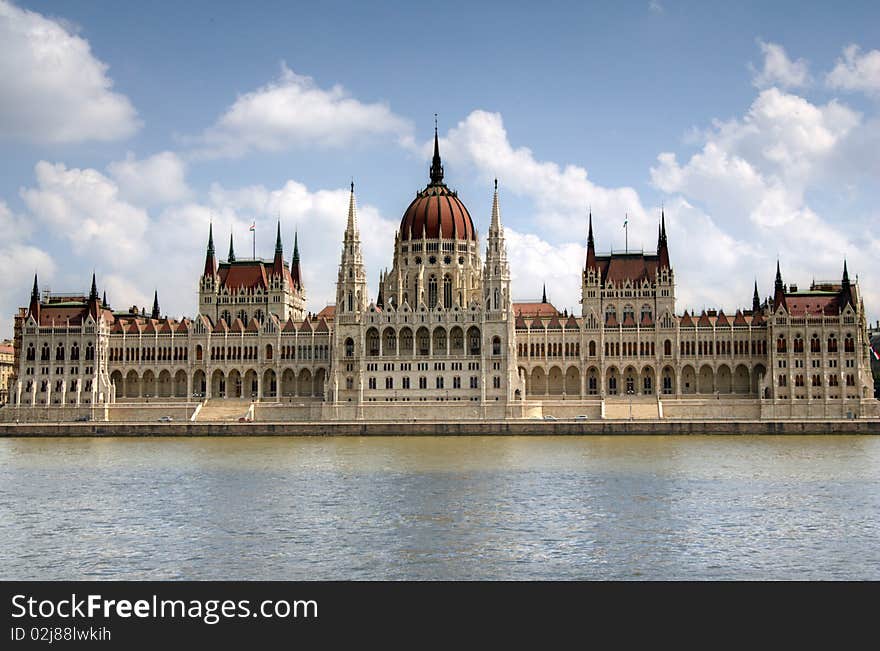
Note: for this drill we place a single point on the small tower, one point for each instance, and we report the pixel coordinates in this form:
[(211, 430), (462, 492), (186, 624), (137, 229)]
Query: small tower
[(155, 314), (496, 269), (34, 307), (351, 285), (94, 301), (591, 278), (846, 295), (297, 289), (210, 281), (231, 256), (779, 291), (756, 300)]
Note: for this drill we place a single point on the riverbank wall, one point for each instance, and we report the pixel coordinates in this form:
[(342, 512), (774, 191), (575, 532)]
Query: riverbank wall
[(526, 427)]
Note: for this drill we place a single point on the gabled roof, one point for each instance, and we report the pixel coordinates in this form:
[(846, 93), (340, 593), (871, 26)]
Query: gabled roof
[(520, 322), (686, 320), (739, 319), (813, 303), (535, 309), (184, 326), (537, 322), (704, 320), (611, 320), (149, 327), (306, 326), (722, 319), (253, 326), (572, 323), (237, 325), (620, 267), (289, 326), (221, 326), (646, 321), (328, 312), (757, 319), (133, 327), (322, 326), (555, 324)]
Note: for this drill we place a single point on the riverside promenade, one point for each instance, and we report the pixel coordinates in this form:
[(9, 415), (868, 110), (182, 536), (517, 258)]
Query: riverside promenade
[(524, 427)]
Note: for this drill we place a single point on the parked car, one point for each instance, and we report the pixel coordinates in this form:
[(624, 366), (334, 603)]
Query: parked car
[(165, 419), (548, 417), (245, 419), (82, 419), (581, 417)]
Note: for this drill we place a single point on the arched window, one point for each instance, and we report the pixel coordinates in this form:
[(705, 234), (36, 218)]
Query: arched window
[(242, 314), (90, 352), (447, 292), (44, 354), (226, 315), (259, 316), (629, 311), (349, 347), (199, 353), (667, 348), (849, 344), (74, 352), (646, 312), (832, 343), (815, 344), (798, 344), (496, 345), (350, 306), (59, 353), (781, 345), (592, 349), (474, 341), (610, 311), (268, 351), (31, 353), (432, 292)]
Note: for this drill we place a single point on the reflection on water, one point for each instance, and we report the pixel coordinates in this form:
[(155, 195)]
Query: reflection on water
[(441, 508)]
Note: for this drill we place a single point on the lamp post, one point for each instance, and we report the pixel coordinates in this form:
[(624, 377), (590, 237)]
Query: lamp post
[(630, 393)]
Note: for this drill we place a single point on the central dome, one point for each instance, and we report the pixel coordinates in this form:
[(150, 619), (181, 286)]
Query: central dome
[(437, 212)]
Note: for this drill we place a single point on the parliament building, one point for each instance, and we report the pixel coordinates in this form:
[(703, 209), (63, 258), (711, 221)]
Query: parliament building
[(443, 338)]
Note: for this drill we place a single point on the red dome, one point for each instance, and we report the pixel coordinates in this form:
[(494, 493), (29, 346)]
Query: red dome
[(437, 213)]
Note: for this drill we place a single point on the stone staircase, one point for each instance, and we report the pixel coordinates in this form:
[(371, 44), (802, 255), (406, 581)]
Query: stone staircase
[(223, 410), (641, 409)]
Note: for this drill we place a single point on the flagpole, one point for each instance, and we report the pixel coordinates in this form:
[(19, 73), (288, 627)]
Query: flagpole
[(254, 232)]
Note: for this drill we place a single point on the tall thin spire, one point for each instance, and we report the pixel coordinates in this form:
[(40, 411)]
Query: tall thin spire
[(778, 289), (34, 307), (662, 244), (756, 299), (352, 212), (210, 258), (295, 272), (278, 262), (544, 294), (380, 299), (495, 222), (211, 238), (104, 300), (93, 292), (155, 314), (846, 288), (591, 244), (436, 165), (231, 257)]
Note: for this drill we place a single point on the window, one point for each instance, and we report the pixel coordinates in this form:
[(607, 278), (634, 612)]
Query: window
[(439, 382), (456, 382), (447, 291), (783, 380), (815, 345), (496, 382), (389, 382), (406, 383), (849, 344), (432, 292), (781, 346), (90, 352), (475, 382), (349, 383), (592, 349), (371, 383), (496, 345), (798, 344)]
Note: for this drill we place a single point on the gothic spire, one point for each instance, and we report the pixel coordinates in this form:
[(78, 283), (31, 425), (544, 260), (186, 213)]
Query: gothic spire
[(380, 299), (495, 223), (756, 300), (778, 289), (295, 272), (351, 227), (210, 258), (155, 314), (436, 165), (231, 257), (93, 292), (278, 248), (104, 300), (278, 262), (591, 244), (544, 294), (34, 308), (846, 288), (662, 245)]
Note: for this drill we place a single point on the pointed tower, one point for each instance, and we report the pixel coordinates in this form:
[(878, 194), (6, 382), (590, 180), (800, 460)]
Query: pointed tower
[(351, 285), (94, 301), (278, 260), (846, 295), (295, 271), (209, 283), (231, 256), (296, 296), (779, 290), (380, 298), (544, 294), (436, 165), (662, 244), (104, 302), (756, 300), (591, 247), (496, 270), (591, 278), (155, 314), (34, 307)]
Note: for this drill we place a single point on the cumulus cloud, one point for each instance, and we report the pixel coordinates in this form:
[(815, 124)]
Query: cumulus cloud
[(155, 180), (779, 70), (558, 193), (856, 71), (293, 111), (83, 207), (54, 90)]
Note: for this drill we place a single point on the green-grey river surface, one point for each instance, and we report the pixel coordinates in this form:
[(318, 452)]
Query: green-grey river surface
[(624, 507)]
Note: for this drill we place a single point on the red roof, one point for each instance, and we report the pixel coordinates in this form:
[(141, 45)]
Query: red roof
[(812, 304), (722, 319), (571, 323), (739, 319), (520, 322), (686, 320), (537, 322), (437, 212), (635, 267), (555, 323), (704, 320), (328, 312), (646, 321), (322, 326), (290, 326), (535, 309), (306, 326)]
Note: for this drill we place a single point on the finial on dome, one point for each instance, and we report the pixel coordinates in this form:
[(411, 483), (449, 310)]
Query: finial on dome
[(436, 165)]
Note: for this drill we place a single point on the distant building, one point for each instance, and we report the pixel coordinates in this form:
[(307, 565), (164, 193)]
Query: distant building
[(443, 337), (7, 364)]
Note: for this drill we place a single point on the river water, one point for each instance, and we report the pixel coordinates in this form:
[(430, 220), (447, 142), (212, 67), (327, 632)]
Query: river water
[(441, 508)]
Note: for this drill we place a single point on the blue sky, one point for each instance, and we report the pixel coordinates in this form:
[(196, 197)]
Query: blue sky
[(128, 127)]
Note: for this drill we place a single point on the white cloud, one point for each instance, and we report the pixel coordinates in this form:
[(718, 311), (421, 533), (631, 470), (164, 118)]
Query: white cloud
[(83, 206), (779, 70), (155, 180), (54, 90), (856, 71), (558, 193), (655, 7), (294, 112)]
